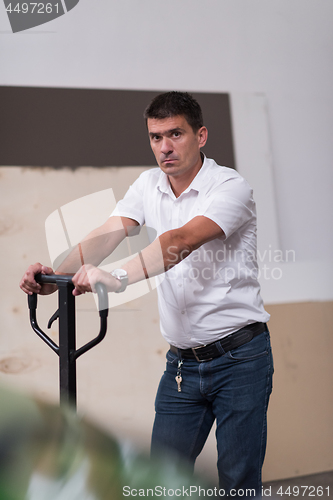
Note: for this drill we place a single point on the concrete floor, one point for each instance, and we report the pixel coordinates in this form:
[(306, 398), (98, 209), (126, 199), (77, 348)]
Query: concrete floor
[(315, 486)]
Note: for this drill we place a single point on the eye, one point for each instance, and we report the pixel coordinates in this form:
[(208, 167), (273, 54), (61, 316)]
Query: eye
[(176, 134)]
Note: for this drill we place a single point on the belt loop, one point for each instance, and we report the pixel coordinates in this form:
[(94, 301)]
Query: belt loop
[(179, 352), (219, 347)]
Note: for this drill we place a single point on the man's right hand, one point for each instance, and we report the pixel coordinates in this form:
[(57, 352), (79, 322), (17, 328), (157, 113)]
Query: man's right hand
[(29, 285)]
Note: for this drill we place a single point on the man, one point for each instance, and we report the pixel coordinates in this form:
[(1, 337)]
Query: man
[(219, 365)]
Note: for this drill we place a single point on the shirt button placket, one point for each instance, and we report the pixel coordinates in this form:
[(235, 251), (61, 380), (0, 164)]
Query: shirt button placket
[(180, 289), (175, 214)]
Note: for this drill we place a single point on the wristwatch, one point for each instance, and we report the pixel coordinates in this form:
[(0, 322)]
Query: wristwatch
[(120, 275)]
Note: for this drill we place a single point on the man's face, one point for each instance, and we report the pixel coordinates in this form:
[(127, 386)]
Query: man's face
[(175, 146)]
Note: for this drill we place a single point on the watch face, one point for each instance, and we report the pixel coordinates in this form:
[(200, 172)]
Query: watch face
[(120, 272)]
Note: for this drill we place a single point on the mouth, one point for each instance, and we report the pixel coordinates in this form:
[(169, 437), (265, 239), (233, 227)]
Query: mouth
[(169, 160)]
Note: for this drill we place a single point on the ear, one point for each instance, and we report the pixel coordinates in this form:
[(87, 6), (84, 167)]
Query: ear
[(202, 135)]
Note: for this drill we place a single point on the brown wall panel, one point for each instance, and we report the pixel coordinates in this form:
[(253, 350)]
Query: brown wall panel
[(74, 127), (300, 432)]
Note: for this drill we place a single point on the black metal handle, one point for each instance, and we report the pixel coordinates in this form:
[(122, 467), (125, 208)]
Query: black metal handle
[(32, 304), (103, 306), (56, 279), (59, 279)]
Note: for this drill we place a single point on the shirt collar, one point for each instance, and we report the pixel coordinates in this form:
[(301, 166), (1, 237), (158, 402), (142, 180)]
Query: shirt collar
[(163, 183)]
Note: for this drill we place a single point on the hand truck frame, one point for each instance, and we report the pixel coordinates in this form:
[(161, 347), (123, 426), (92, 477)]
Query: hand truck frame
[(66, 349)]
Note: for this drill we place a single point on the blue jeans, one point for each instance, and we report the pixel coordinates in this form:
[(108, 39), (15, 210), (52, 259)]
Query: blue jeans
[(234, 389)]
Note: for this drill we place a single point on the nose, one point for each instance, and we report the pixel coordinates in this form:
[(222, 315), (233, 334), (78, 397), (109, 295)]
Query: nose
[(166, 146)]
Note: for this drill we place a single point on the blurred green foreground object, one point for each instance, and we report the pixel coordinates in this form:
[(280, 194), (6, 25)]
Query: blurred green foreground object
[(48, 453)]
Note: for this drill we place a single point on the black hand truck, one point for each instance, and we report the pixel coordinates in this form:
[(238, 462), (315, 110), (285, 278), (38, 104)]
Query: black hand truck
[(66, 349)]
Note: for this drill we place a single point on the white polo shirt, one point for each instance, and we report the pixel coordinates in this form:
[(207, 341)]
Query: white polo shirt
[(214, 291)]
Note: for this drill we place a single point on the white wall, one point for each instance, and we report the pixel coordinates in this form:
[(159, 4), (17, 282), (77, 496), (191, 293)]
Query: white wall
[(282, 48)]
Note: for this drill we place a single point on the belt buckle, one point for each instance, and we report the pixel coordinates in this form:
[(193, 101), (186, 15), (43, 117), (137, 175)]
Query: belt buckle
[(196, 356)]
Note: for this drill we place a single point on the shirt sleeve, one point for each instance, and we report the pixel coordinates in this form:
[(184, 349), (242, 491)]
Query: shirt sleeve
[(230, 205), (132, 205)]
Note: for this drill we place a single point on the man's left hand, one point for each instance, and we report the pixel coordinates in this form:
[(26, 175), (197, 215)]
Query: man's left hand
[(87, 276)]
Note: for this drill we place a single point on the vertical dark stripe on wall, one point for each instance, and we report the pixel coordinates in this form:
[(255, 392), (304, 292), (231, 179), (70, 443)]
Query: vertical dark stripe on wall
[(87, 127)]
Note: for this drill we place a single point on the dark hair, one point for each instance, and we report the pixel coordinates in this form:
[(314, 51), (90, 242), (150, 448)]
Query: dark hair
[(174, 103)]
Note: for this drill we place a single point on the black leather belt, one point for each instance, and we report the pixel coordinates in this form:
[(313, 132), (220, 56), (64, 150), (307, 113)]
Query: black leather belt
[(220, 347)]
